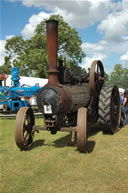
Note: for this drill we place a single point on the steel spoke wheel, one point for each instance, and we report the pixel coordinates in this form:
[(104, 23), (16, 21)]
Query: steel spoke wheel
[(23, 131), (82, 129), (96, 78)]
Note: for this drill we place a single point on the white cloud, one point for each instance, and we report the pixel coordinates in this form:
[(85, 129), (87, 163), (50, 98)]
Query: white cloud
[(105, 47), (94, 52), (115, 25), (79, 13), (125, 38), (76, 13), (29, 28), (102, 51), (82, 14), (124, 59), (9, 36), (91, 48), (2, 49), (88, 60)]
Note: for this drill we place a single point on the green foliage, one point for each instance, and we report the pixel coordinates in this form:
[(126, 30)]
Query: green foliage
[(31, 55), (119, 76), (7, 67)]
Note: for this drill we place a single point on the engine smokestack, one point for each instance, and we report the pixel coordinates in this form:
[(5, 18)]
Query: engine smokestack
[(52, 47)]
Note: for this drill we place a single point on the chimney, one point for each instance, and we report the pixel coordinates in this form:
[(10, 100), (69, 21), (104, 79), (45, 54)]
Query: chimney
[(52, 46)]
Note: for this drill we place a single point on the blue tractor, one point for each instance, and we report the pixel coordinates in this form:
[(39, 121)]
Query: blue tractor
[(15, 97)]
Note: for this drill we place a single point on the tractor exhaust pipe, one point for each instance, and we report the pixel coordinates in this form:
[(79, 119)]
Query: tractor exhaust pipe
[(52, 47)]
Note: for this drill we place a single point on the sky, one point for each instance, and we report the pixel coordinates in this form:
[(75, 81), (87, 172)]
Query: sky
[(102, 26)]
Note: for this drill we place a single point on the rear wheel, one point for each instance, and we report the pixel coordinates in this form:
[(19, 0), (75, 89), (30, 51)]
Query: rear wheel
[(109, 108)]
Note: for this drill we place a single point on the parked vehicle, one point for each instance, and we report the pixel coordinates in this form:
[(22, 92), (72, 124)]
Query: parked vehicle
[(15, 97)]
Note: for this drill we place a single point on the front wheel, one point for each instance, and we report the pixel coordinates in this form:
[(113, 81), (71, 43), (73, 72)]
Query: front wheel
[(82, 129), (23, 131)]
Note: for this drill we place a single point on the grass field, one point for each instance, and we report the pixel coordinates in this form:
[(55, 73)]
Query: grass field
[(53, 165)]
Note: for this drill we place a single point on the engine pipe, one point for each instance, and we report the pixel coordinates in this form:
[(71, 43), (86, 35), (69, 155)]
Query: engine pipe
[(52, 47)]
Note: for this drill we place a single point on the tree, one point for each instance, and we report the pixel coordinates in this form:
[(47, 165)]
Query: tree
[(31, 55), (6, 68), (119, 76)]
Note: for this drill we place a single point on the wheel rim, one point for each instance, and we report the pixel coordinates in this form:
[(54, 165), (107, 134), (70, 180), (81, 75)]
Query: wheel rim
[(23, 131), (82, 130), (96, 78)]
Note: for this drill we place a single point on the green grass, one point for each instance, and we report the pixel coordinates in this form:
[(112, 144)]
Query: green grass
[(53, 165)]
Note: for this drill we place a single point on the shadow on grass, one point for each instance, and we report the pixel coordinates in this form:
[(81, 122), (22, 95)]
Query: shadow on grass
[(63, 142), (90, 146), (66, 141), (37, 143)]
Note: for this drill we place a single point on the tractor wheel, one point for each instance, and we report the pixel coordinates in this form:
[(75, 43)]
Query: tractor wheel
[(23, 131), (109, 108), (82, 129)]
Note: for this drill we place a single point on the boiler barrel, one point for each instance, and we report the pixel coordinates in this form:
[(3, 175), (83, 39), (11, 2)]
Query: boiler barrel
[(63, 99), (80, 96)]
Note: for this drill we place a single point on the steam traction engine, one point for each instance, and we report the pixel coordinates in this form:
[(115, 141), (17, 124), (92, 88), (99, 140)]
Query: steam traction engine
[(69, 106)]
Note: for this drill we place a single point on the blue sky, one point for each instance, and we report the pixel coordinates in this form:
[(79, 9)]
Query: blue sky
[(14, 17), (102, 25)]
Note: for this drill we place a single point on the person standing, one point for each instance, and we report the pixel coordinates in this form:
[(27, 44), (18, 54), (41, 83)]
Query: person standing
[(122, 113), (125, 107)]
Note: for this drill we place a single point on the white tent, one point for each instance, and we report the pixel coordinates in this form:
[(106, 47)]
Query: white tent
[(30, 81)]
